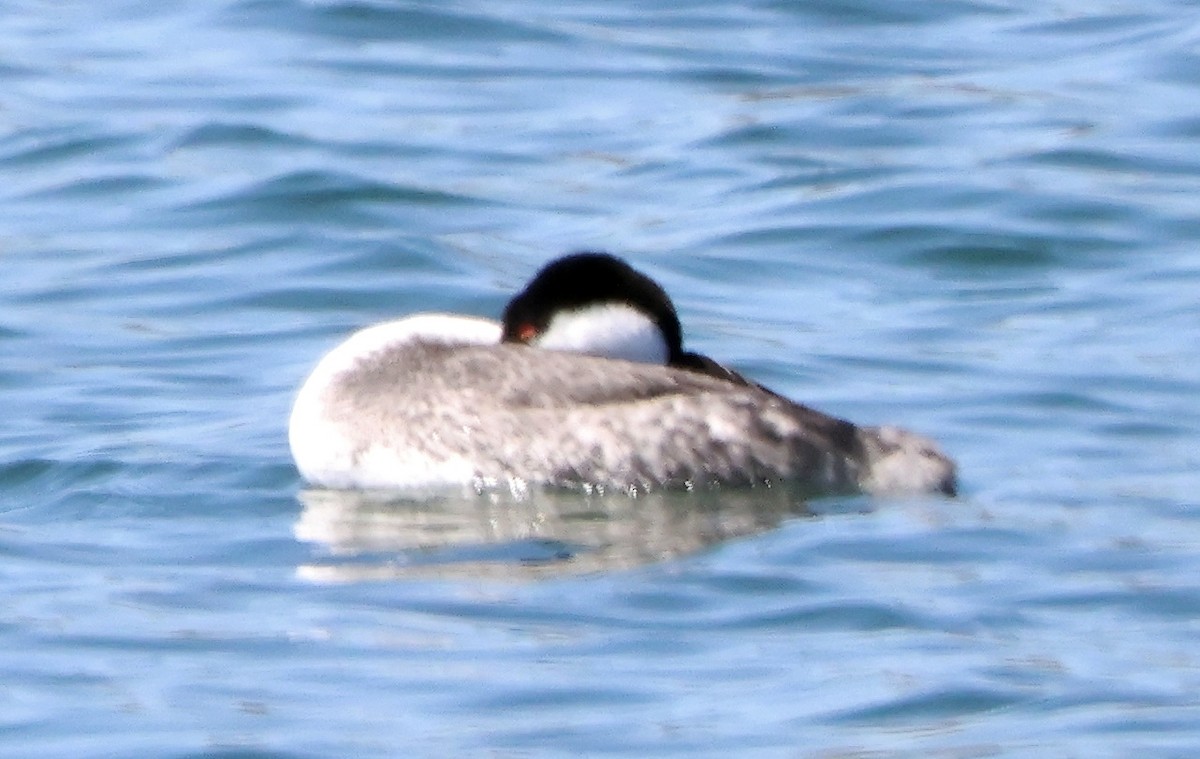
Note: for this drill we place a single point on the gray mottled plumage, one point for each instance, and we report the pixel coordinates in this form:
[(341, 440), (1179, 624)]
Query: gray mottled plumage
[(515, 413)]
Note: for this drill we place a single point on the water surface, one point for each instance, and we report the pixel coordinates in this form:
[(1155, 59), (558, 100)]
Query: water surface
[(974, 219)]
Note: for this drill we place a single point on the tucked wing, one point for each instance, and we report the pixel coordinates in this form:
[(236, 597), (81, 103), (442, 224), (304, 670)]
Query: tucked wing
[(513, 411)]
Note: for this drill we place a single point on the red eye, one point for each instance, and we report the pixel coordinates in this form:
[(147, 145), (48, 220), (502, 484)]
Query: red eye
[(526, 332)]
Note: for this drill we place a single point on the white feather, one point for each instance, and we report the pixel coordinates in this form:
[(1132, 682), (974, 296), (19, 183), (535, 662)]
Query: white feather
[(319, 445), (612, 330)]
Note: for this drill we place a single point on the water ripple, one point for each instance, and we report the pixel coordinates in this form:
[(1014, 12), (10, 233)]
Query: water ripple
[(968, 217)]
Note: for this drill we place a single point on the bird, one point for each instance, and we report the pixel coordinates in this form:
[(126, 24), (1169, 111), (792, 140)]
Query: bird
[(583, 384)]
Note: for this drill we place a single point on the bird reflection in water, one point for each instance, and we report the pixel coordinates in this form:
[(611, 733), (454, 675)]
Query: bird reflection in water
[(527, 535)]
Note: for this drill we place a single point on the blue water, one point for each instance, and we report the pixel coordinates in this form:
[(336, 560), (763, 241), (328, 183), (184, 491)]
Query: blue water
[(975, 218)]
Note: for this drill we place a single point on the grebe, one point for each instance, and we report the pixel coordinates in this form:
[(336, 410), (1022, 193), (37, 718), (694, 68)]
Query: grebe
[(586, 385)]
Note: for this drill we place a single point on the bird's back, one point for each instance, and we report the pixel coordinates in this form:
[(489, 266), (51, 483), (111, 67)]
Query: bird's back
[(424, 412)]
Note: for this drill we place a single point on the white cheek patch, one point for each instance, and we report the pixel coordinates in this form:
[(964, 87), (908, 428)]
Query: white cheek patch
[(614, 330)]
